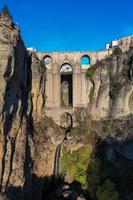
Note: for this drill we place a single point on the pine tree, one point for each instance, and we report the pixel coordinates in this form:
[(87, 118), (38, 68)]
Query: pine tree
[(6, 12)]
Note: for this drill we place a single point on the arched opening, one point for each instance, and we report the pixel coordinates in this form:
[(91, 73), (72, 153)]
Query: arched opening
[(66, 85), (48, 61), (66, 120), (85, 61)]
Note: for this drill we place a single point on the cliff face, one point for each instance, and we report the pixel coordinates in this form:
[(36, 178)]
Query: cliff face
[(24, 153), (13, 107), (38, 86), (111, 86)]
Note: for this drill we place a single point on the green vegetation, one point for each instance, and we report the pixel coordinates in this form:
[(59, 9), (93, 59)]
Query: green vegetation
[(114, 90), (83, 123), (127, 61), (93, 176), (108, 59), (107, 191), (74, 164), (108, 126), (117, 51), (90, 73), (127, 65), (75, 131), (42, 66), (91, 70), (99, 63), (91, 94), (45, 98), (40, 126), (31, 94)]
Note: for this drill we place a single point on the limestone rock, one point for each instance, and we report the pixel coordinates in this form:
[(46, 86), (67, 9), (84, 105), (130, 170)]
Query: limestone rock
[(14, 120), (38, 86), (3, 197), (111, 94)]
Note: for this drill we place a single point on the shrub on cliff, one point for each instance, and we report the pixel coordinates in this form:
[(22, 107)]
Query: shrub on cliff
[(127, 61), (43, 124), (73, 165), (117, 51), (42, 67), (114, 90), (90, 73), (82, 119), (107, 191), (93, 176)]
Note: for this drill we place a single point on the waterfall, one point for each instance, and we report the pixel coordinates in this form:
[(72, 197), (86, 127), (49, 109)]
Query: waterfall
[(58, 149), (56, 161)]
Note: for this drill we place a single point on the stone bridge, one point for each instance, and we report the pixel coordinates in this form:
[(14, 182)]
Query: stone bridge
[(66, 81)]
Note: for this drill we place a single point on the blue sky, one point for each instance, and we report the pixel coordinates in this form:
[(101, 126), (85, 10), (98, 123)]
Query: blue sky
[(71, 24)]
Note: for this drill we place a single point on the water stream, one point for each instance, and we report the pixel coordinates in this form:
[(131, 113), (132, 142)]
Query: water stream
[(57, 160), (58, 151)]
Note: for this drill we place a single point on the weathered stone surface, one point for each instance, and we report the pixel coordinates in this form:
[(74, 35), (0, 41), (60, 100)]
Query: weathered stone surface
[(14, 90), (22, 151), (3, 197), (99, 99), (45, 143), (111, 94), (38, 86)]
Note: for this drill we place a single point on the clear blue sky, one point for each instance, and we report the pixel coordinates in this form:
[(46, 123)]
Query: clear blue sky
[(71, 24)]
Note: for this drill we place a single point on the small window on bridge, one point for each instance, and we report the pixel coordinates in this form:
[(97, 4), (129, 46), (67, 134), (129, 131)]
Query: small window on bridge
[(85, 61), (47, 61)]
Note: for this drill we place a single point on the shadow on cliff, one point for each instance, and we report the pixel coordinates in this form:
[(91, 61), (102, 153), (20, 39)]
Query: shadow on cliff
[(109, 161), (47, 188), (52, 188), (16, 105), (112, 160)]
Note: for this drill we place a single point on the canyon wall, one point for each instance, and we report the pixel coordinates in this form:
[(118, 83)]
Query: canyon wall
[(28, 139), (22, 89), (110, 86)]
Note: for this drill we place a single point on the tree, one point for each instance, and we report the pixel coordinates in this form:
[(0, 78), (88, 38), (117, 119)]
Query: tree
[(107, 191), (6, 12)]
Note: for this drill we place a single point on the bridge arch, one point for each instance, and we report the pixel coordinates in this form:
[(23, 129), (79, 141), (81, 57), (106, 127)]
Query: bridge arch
[(85, 61), (66, 81), (66, 68)]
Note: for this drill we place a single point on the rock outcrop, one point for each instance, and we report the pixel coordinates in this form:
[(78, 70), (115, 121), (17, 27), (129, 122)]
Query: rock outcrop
[(38, 86), (111, 86), (13, 108), (22, 77)]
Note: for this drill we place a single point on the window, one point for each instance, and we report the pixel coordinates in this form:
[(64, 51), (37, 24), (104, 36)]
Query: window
[(85, 61), (48, 62)]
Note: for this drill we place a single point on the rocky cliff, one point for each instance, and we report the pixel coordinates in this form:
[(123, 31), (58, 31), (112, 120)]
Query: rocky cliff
[(14, 90), (29, 139), (25, 131), (111, 86)]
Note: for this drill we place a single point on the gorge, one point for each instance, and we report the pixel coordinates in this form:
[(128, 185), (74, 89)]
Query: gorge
[(95, 160)]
